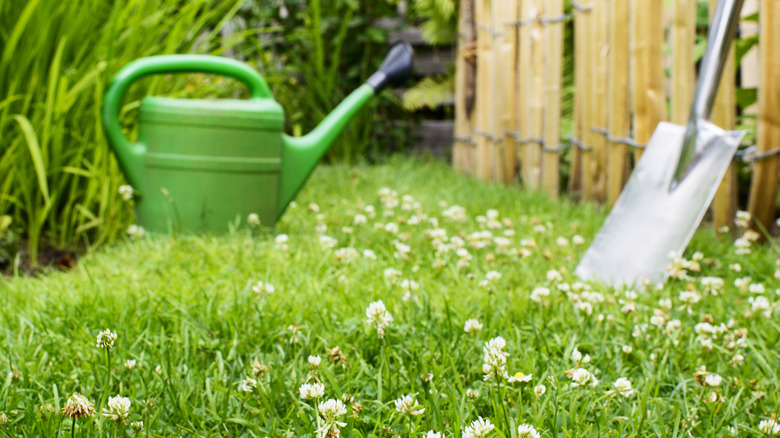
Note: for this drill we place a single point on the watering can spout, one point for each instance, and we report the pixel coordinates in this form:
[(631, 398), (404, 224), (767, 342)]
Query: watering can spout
[(301, 154)]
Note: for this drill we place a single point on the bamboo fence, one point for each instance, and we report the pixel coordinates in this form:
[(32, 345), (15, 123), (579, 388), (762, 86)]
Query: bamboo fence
[(509, 89)]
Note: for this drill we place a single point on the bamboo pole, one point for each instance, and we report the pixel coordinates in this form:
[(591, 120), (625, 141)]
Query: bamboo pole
[(588, 98), (763, 187), (647, 59), (580, 43), (485, 117), (600, 54), (683, 65), (523, 87), (506, 156), (465, 78), (553, 51), (724, 114), (619, 106), (535, 94)]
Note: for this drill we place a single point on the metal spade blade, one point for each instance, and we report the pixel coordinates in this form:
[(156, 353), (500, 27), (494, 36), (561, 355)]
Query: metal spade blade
[(649, 220)]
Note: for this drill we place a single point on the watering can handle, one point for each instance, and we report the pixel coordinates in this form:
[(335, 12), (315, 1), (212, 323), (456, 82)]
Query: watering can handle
[(129, 154)]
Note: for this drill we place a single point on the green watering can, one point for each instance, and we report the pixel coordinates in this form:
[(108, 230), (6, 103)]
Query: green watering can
[(199, 164)]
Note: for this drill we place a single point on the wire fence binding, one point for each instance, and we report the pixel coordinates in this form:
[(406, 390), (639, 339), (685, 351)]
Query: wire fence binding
[(492, 31), (460, 139), (580, 145), (489, 136), (749, 154), (579, 8), (622, 140), (541, 20)]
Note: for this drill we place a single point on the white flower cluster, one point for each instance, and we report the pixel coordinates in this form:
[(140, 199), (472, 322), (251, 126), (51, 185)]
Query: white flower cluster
[(408, 405), (118, 409), (105, 339), (494, 359), (378, 316), (330, 411)]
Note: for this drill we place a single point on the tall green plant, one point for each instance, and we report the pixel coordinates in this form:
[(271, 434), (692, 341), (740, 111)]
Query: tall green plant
[(326, 49), (58, 180)]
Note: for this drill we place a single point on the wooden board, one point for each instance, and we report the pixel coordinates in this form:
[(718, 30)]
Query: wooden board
[(601, 75), (683, 66), (647, 60), (588, 95), (724, 114), (465, 83), (485, 117), (763, 188), (535, 95), (580, 43), (506, 154), (619, 105), (553, 53)]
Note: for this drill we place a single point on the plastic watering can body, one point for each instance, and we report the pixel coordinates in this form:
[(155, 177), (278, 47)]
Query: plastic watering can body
[(199, 164)]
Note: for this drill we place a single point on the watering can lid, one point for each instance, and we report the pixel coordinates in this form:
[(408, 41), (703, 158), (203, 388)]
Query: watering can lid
[(260, 114)]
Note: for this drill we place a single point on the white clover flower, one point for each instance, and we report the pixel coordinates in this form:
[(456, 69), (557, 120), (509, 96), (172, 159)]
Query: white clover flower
[(253, 219), (314, 362), (520, 377), (736, 267), (455, 213), (657, 320), (378, 316), (118, 409), (136, 232), (712, 380), (539, 294), (330, 411), (737, 360), (712, 284), (126, 191), (311, 391), (493, 276), (494, 359), (391, 227), (408, 405), (78, 406), (527, 431), (472, 326), (130, 364), (327, 242), (472, 394), (581, 377), (623, 387), (409, 285), (627, 349), (346, 255), (392, 274), (359, 219), (756, 288), (742, 219), (540, 389), (665, 304), (432, 434), (478, 429), (761, 304), (553, 275), (314, 208), (690, 297), (105, 339), (281, 242), (247, 385), (137, 427), (577, 239), (769, 427), (262, 288), (371, 255)]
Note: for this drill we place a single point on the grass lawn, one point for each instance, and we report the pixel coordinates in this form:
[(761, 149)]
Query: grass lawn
[(203, 349)]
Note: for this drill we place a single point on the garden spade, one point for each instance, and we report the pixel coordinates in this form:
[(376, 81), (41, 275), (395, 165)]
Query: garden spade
[(673, 183)]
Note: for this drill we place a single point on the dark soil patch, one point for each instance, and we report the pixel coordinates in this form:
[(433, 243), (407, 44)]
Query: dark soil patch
[(49, 258)]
